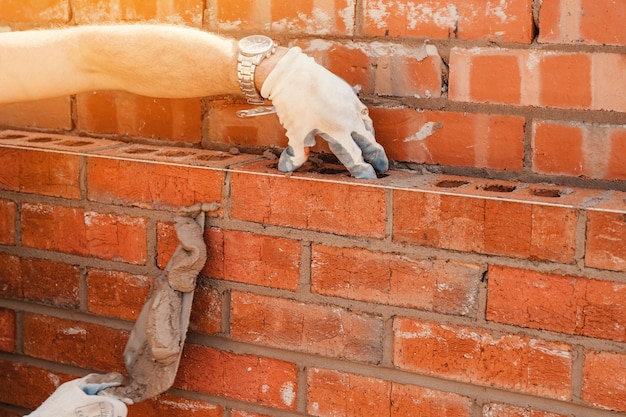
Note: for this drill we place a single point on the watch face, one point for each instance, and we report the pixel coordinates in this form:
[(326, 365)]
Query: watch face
[(255, 45)]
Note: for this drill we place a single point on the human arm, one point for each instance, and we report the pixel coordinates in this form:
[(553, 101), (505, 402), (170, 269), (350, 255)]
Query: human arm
[(178, 62)]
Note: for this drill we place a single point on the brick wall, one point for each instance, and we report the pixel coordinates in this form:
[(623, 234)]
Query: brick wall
[(462, 285)]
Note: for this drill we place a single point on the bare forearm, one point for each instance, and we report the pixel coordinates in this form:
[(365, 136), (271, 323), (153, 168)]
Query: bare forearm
[(152, 60)]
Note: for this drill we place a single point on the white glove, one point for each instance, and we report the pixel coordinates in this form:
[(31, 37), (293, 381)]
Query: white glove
[(79, 398), (309, 101)]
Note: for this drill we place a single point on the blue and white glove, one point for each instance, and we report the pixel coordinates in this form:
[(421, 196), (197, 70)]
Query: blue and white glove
[(79, 398), (310, 101)]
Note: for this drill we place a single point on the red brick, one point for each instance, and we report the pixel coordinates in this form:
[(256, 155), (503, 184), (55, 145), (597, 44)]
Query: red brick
[(206, 313), (450, 138), (306, 327), (586, 21), (187, 12), (334, 393), (604, 380), (335, 17), (7, 222), (77, 231), (588, 146), (168, 405), (74, 343), (37, 172), (40, 280), (565, 304), (606, 241), (120, 113), (549, 140), (519, 230), (116, 294), (444, 221), (241, 413), (475, 225), (345, 209), (53, 113), (478, 357), (510, 21), (251, 378), (7, 330), (566, 81), (44, 11), (381, 278), (546, 78), (261, 260), (411, 400), (496, 79), (507, 410), (27, 386), (153, 185), (381, 68), (224, 126)]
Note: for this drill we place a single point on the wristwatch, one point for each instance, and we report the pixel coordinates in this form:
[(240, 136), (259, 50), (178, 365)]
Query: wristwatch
[(252, 50)]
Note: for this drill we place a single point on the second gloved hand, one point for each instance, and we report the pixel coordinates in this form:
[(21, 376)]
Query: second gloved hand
[(310, 101), (79, 398)]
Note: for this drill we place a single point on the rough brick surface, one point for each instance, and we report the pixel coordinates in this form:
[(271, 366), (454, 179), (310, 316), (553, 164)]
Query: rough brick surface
[(151, 185), (333, 393), (250, 378), (116, 294), (597, 388), (53, 113), (606, 241), (83, 232), (305, 327), (588, 146), (384, 69), (7, 222), (7, 330), (503, 21), (39, 280), (506, 410), (431, 285), (187, 12), (560, 303), (537, 78), (32, 171), (45, 11), (335, 17), (450, 138), (76, 343), (28, 386), (340, 208), (485, 226), (174, 407), (479, 357), (582, 21), (127, 114)]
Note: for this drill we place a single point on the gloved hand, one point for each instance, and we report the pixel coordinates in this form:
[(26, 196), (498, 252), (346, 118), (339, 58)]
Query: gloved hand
[(309, 101), (79, 398)]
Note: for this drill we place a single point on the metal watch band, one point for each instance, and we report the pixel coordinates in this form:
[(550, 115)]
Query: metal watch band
[(245, 75)]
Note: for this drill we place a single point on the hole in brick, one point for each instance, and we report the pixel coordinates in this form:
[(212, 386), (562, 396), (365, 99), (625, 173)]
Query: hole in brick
[(210, 158), (498, 188), (139, 151), (544, 192), (42, 140), (330, 171), (175, 154), (451, 183), (75, 143), (12, 137)]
